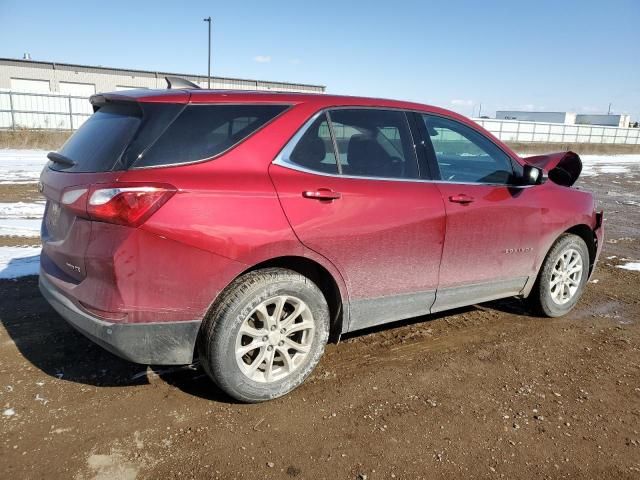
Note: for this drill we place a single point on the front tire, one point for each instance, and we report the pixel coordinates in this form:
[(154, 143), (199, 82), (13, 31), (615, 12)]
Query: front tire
[(562, 278), (264, 335)]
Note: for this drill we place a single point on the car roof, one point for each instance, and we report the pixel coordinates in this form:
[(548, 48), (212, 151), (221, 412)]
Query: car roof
[(319, 100)]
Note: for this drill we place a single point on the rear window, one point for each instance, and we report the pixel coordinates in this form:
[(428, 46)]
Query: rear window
[(99, 143), (203, 131), (129, 135)]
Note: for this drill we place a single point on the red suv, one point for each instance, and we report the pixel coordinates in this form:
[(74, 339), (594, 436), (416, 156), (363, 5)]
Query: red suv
[(244, 228)]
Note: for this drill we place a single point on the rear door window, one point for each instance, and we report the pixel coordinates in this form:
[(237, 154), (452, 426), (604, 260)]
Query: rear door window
[(314, 150), (99, 143), (374, 143), (204, 131)]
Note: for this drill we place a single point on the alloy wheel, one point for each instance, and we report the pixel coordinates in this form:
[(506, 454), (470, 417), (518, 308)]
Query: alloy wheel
[(274, 339), (566, 276)]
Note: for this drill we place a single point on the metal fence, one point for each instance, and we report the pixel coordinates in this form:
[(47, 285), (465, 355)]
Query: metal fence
[(538, 132), (48, 111), (53, 111)]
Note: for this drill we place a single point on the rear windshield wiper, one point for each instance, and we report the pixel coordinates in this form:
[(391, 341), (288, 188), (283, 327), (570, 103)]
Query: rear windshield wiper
[(61, 159)]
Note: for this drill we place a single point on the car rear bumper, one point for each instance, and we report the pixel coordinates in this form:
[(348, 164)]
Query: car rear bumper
[(163, 343)]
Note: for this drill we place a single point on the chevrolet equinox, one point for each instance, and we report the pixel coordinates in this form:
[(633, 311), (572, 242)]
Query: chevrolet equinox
[(245, 229)]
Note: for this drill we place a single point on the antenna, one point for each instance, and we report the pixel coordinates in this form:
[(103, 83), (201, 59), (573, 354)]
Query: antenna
[(177, 82)]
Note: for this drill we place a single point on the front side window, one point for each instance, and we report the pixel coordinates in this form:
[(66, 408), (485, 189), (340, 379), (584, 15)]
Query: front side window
[(374, 143), (464, 155)]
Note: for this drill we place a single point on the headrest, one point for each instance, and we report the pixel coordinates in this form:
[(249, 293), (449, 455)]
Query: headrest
[(309, 152), (366, 156)]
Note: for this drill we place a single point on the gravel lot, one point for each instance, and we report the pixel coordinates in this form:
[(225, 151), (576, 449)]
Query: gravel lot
[(482, 392)]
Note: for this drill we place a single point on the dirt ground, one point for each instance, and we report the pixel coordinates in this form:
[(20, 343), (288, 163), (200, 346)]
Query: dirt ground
[(483, 392)]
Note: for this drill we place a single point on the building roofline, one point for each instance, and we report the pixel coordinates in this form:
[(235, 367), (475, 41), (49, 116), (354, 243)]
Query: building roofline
[(152, 72), (530, 111)]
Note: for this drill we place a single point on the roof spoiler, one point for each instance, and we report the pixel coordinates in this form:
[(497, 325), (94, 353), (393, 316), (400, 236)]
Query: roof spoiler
[(177, 82)]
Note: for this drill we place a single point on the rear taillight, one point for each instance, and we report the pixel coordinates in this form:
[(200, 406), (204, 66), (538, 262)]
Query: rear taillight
[(122, 204), (126, 205)]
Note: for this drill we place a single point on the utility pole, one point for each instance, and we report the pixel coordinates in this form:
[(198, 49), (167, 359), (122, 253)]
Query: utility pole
[(480, 110), (609, 111), (208, 20)]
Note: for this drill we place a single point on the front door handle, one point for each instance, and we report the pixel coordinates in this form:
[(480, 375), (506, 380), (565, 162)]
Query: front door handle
[(322, 194), (461, 198)]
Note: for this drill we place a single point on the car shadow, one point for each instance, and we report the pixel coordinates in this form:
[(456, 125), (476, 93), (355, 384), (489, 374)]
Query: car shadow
[(513, 306), (50, 344), (46, 340), (406, 322)]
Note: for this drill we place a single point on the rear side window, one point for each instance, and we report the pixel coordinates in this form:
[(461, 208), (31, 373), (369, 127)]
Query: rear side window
[(203, 131), (99, 143), (374, 143), (314, 150)]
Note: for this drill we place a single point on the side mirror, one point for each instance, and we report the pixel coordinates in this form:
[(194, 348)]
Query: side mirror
[(531, 175)]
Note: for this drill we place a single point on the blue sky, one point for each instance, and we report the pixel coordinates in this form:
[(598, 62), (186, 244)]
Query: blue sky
[(540, 55)]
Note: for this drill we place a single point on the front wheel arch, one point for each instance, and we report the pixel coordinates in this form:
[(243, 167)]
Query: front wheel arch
[(581, 230), (541, 298), (586, 233)]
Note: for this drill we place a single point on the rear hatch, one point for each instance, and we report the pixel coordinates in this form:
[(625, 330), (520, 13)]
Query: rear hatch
[(85, 181), (104, 146)]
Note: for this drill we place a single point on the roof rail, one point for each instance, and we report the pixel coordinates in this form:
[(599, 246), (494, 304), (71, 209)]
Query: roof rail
[(177, 82)]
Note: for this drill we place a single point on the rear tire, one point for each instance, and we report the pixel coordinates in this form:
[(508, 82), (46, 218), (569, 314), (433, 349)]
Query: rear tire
[(562, 277), (264, 335)]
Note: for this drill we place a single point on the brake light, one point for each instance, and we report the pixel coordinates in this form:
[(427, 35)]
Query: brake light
[(129, 205)]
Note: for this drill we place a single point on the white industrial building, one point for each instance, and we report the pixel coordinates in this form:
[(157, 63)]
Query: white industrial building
[(85, 80), (609, 120), (51, 95), (566, 118)]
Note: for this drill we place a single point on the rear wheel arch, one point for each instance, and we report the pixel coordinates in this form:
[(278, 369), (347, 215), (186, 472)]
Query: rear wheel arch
[(335, 296), (265, 334), (319, 275)]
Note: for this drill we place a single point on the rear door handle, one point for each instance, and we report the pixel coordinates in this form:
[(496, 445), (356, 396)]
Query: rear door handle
[(322, 194), (461, 198)]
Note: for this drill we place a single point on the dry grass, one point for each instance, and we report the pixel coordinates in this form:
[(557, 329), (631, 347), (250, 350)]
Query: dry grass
[(579, 148), (37, 139)]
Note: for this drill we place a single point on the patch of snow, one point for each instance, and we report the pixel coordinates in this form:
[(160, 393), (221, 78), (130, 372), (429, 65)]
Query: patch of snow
[(633, 266), (593, 165), (21, 219), (614, 169), (20, 227), (21, 166), (19, 261), (22, 210)]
